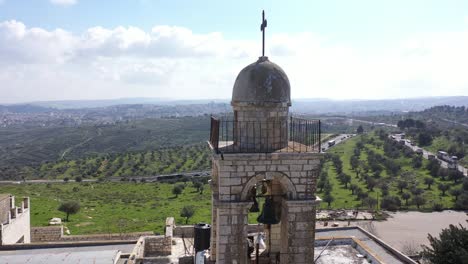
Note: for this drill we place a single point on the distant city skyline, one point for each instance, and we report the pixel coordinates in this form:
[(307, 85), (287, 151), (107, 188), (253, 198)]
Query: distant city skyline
[(85, 50)]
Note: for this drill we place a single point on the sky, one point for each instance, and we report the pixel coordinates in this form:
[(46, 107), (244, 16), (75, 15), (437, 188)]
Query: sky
[(363, 49)]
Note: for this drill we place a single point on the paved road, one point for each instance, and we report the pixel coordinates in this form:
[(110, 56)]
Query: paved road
[(338, 140), (426, 154), (151, 178)]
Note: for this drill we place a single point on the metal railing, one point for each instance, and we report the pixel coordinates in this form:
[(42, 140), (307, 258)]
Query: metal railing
[(282, 135)]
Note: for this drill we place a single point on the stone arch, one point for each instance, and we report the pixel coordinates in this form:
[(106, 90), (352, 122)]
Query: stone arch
[(286, 183)]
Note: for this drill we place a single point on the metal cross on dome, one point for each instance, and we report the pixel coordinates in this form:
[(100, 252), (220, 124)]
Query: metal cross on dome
[(262, 28)]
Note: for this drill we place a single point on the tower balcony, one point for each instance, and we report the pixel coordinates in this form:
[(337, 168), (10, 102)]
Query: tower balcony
[(228, 135)]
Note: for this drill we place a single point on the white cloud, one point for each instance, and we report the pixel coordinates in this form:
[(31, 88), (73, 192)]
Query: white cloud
[(64, 2), (37, 64)]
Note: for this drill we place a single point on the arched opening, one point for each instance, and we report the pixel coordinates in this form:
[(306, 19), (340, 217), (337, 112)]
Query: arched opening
[(267, 192)]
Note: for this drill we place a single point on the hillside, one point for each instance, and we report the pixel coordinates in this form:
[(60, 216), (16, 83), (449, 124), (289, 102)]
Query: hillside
[(29, 146)]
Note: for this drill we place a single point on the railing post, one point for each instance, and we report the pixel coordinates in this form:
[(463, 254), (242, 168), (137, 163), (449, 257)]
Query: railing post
[(320, 137)]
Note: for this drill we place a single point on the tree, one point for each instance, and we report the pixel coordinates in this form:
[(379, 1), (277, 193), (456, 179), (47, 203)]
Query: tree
[(328, 198), (465, 184), (78, 179), (455, 193), (187, 212), (360, 129), (416, 191), (371, 183), (197, 185), (328, 187), (418, 200), (354, 162), (462, 202), (450, 248), (391, 203), (443, 188), (402, 185), (69, 208), (455, 175), (176, 190), (424, 139), (321, 184), (429, 181), (417, 162), (370, 202), (66, 179), (406, 196), (345, 179)]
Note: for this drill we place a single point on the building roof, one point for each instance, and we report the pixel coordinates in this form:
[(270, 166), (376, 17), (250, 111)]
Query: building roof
[(73, 254), (262, 82), (101, 257), (372, 245)]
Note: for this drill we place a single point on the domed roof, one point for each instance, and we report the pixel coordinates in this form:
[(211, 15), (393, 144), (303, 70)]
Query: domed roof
[(262, 82)]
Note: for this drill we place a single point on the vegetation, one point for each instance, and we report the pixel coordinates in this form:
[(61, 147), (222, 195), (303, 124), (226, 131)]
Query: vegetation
[(187, 212), (33, 152), (159, 161), (70, 207), (373, 171), (114, 207), (450, 248)]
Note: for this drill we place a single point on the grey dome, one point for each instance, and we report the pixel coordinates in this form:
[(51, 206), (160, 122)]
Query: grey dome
[(262, 82)]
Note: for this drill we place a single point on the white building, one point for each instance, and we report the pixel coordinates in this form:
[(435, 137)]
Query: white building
[(14, 221)]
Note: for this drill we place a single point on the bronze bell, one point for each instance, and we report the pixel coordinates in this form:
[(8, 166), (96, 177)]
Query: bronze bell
[(268, 214), (254, 208)]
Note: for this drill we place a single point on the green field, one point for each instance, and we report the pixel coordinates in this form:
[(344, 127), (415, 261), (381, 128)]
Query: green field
[(113, 207)]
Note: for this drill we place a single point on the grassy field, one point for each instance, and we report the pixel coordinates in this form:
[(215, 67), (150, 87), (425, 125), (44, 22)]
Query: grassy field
[(113, 207), (343, 197)]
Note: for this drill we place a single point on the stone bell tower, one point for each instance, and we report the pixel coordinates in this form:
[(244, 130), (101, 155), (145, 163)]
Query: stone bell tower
[(260, 150)]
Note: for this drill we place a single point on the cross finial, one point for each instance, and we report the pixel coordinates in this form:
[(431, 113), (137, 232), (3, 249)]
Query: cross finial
[(262, 28)]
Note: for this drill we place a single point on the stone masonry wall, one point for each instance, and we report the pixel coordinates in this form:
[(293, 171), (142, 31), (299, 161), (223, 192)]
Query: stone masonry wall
[(4, 208), (238, 173), (46, 233), (157, 246), (293, 175), (55, 233)]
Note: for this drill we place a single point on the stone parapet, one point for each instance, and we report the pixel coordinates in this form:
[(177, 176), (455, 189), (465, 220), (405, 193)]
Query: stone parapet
[(55, 234)]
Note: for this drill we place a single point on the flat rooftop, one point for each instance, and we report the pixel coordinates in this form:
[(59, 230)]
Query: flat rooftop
[(367, 242), (341, 254), (73, 254)]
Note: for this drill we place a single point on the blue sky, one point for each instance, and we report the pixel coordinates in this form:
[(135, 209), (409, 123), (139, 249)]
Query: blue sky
[(339, 36)]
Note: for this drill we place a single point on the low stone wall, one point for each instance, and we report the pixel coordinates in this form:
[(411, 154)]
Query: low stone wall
[(46, 233), (103, 237), (157, 246), (183, 231), (154, 249), (55, 233)]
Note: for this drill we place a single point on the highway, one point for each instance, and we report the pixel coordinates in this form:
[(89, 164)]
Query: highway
[(444, 164), (152, 178), (338, 139)]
